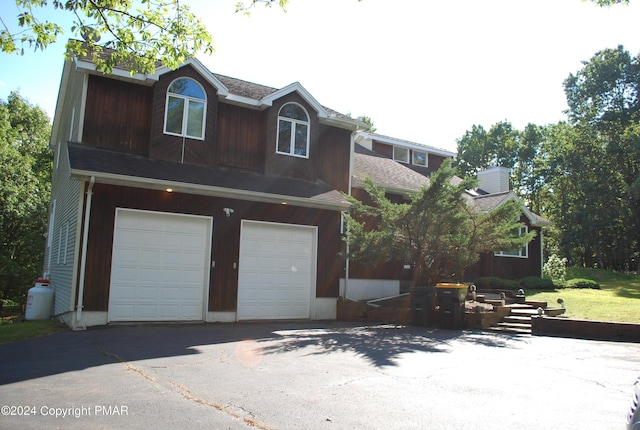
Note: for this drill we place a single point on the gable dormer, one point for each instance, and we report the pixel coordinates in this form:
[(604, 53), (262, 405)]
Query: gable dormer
[(193, 116), (184, 120), (292, 139)]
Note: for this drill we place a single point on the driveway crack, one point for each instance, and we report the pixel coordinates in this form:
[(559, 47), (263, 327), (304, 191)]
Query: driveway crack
[(185, 392)]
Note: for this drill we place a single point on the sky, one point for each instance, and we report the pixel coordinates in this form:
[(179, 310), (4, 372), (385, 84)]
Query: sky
[(425, 71)]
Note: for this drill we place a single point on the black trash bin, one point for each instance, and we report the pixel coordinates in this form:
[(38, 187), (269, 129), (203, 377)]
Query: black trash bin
[(421, 305), (451, 299)]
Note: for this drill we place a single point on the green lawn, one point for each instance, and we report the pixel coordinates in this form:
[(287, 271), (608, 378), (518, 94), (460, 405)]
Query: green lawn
[(618, 299), (14, 328)]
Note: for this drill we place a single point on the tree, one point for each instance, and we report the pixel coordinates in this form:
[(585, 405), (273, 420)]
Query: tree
[(439, 233), (25, 166), (164, 31), (604, 160), (603, 3), (475, 151), (369, 122), (246, 7)]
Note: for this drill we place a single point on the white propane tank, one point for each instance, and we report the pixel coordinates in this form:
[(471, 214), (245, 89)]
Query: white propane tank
[(39, 301)]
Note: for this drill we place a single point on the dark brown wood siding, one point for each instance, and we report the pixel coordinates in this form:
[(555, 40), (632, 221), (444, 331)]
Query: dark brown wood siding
[(333, 157), (287, 165), (510, 267), (117, 115), (241, 141), (171, 148), (433, 163), (223, 289), (383, 148)]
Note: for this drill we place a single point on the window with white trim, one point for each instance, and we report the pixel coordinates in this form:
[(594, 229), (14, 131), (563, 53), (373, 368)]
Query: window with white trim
[(400, 154), (186, 109), (420, 158), (293, 131), (520, 252)]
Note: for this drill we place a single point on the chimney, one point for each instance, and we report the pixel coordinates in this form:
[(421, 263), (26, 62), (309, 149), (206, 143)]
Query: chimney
[(494, 180)]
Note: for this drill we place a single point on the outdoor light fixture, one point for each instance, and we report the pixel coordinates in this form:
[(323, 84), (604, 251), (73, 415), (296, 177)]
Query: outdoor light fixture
[(227, 211)]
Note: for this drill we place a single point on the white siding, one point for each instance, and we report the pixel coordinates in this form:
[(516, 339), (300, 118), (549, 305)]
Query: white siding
[(494, 180)]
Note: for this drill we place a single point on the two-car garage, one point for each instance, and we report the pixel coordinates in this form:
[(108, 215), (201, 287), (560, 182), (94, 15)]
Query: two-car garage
[(160, 268)]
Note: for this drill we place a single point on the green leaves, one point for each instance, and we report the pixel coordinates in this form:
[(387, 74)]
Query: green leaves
[(439, 233), (245, 8), (25, 166), (154, 33)]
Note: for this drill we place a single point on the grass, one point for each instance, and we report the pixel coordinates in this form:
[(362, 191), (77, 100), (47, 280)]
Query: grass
[(13, 327), (618, 299)]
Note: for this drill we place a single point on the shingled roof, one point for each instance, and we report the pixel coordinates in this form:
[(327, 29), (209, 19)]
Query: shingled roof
[(397, 178), (384, 172), (122, 168), (255, 91), (233, 89), (245, 88)]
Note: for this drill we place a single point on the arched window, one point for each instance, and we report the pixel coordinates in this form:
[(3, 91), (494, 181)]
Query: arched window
[(186, 109), (293, 131)]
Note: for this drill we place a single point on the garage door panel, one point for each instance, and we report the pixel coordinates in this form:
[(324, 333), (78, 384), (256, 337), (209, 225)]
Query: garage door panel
[(277, 271), (158, 273)]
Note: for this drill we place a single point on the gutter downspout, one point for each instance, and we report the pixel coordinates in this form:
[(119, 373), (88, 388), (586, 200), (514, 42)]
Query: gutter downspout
[(352, 148), (83, 258)]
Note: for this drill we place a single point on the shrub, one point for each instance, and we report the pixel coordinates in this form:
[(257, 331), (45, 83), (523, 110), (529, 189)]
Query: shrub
[(582, 283), (555, 268), (535, 283), (495, 283)]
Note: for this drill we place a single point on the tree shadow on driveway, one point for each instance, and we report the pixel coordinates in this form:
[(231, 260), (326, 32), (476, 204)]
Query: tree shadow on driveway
[(73, 351), (381, 345)]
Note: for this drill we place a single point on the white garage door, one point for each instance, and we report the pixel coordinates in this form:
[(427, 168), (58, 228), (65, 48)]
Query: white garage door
[(277, 272), (159, 269)]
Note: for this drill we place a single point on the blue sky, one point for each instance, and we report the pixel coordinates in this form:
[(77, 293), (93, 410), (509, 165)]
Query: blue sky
[(424, 71)]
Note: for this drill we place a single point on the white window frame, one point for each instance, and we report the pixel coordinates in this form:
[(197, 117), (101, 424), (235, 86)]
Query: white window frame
[(516, 253), (426, 158), (187, 100), (59, 246), (52, 219), (397, 157), (294, 124)]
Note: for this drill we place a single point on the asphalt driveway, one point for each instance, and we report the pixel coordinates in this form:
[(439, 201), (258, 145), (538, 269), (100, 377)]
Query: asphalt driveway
[(306, 375)]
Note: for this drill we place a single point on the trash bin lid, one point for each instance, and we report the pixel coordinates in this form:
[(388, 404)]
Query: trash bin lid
[(451, 285)]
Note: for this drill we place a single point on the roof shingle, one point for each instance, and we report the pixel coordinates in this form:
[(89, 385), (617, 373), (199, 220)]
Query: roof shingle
[(99, 161)]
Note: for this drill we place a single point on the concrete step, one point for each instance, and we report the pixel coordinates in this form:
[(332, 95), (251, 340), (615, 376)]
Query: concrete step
[(524, 312), (512, 328), (519, 319)]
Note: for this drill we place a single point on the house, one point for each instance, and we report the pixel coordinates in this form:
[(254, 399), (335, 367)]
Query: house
[(400, 180), (187, 195), (421, 158), (191, 196), (493, 191)]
